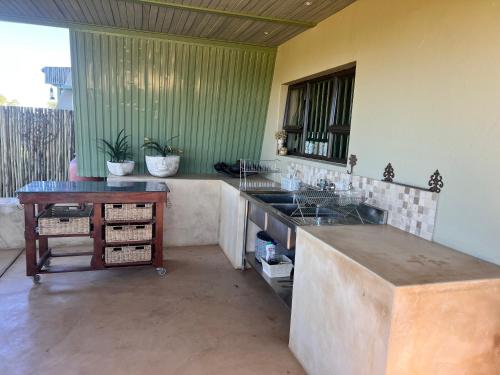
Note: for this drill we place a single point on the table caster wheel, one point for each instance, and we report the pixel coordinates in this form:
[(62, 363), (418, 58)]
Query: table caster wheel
[(36, 279), (161, 271)]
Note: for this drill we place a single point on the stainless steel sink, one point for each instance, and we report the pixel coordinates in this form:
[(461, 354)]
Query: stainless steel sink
[(318, 215), (278, 213), (292, 209), (275, 197)]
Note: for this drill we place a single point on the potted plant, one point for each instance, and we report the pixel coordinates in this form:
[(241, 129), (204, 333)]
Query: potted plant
[(118, 163), (166, 163)]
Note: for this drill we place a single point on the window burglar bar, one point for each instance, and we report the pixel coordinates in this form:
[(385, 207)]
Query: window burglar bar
[(318, 117)]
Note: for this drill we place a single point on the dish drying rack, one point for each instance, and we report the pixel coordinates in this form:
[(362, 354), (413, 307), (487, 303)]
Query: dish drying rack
[(310, 200), (253, 167)]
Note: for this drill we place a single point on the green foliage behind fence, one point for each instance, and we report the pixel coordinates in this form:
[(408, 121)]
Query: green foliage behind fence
[(35, 144)]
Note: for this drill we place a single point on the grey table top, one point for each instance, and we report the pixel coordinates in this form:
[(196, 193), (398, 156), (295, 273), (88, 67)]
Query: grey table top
[(93, 187)]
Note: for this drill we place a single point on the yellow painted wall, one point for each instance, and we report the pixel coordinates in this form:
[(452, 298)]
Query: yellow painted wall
[(427, 96)]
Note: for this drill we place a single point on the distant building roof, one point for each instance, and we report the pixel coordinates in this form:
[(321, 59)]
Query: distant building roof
[(58, 76)]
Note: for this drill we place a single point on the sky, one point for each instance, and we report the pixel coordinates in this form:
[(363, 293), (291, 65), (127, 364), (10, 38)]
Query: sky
[(25, 50)]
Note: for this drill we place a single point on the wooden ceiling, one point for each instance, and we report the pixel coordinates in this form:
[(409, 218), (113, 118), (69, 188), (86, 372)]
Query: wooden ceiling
[(259, 22)]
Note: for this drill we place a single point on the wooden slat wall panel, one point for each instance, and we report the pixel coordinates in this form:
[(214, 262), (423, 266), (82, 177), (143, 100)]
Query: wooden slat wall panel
[(149, 17), (35, 144), (214, 97)]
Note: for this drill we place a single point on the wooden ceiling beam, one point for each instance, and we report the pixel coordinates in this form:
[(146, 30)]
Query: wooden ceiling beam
[(225, 13), (101, 29)]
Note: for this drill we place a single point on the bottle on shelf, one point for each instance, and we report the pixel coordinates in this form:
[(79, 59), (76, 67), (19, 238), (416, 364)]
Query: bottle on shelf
[(310, 143), (272, 256), (320, 144), (324, 143), (316, 144), (306, 147)]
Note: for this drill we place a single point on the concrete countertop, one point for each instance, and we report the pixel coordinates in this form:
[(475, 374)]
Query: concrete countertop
[(233, 181), (193, 176), (401, 258)]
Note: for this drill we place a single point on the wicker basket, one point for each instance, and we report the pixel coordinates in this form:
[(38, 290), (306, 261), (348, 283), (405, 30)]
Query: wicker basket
[(60, 220), (128, 211), (127, 254), (124, 233)]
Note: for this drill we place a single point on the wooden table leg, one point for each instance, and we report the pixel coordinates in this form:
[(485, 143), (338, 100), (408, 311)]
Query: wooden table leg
[(29, 238), (97, 261), (43, 246), (158, 257), (43, 242)]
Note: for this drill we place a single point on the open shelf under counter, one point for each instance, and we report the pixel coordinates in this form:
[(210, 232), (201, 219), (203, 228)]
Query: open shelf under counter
[(282, 286)]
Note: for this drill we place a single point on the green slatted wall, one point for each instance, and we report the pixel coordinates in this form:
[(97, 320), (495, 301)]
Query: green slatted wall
[(214, 96)]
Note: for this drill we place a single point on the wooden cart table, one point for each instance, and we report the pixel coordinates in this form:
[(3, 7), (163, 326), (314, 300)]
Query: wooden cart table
[(40, 196)]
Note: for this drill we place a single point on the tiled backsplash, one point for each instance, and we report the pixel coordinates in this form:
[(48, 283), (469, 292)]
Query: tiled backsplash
[(410, 209)]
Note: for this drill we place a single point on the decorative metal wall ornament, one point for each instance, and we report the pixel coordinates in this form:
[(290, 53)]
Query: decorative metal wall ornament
[(389, 173), (353, 160), (436, 182)]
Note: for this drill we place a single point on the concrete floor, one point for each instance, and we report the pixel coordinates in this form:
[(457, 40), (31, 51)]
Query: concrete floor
[(7, 257), (203, 318)]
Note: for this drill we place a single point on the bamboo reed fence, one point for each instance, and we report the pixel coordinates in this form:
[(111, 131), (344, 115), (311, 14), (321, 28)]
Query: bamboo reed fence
[(35, 144)]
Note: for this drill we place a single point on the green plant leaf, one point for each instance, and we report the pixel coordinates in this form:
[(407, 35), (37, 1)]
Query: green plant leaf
[(163, 150), (119, 150)]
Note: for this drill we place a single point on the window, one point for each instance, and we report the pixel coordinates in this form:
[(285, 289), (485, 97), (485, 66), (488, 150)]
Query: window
[(318, 117)]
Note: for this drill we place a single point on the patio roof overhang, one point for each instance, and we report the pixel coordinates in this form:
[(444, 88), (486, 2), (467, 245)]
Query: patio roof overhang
[(258, 22)]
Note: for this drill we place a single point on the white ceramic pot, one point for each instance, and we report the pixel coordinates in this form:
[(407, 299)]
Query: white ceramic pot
[(163, 166), (121, 169)]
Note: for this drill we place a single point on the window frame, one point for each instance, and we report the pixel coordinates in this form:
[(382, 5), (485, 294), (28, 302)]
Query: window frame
[(333, 129)]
